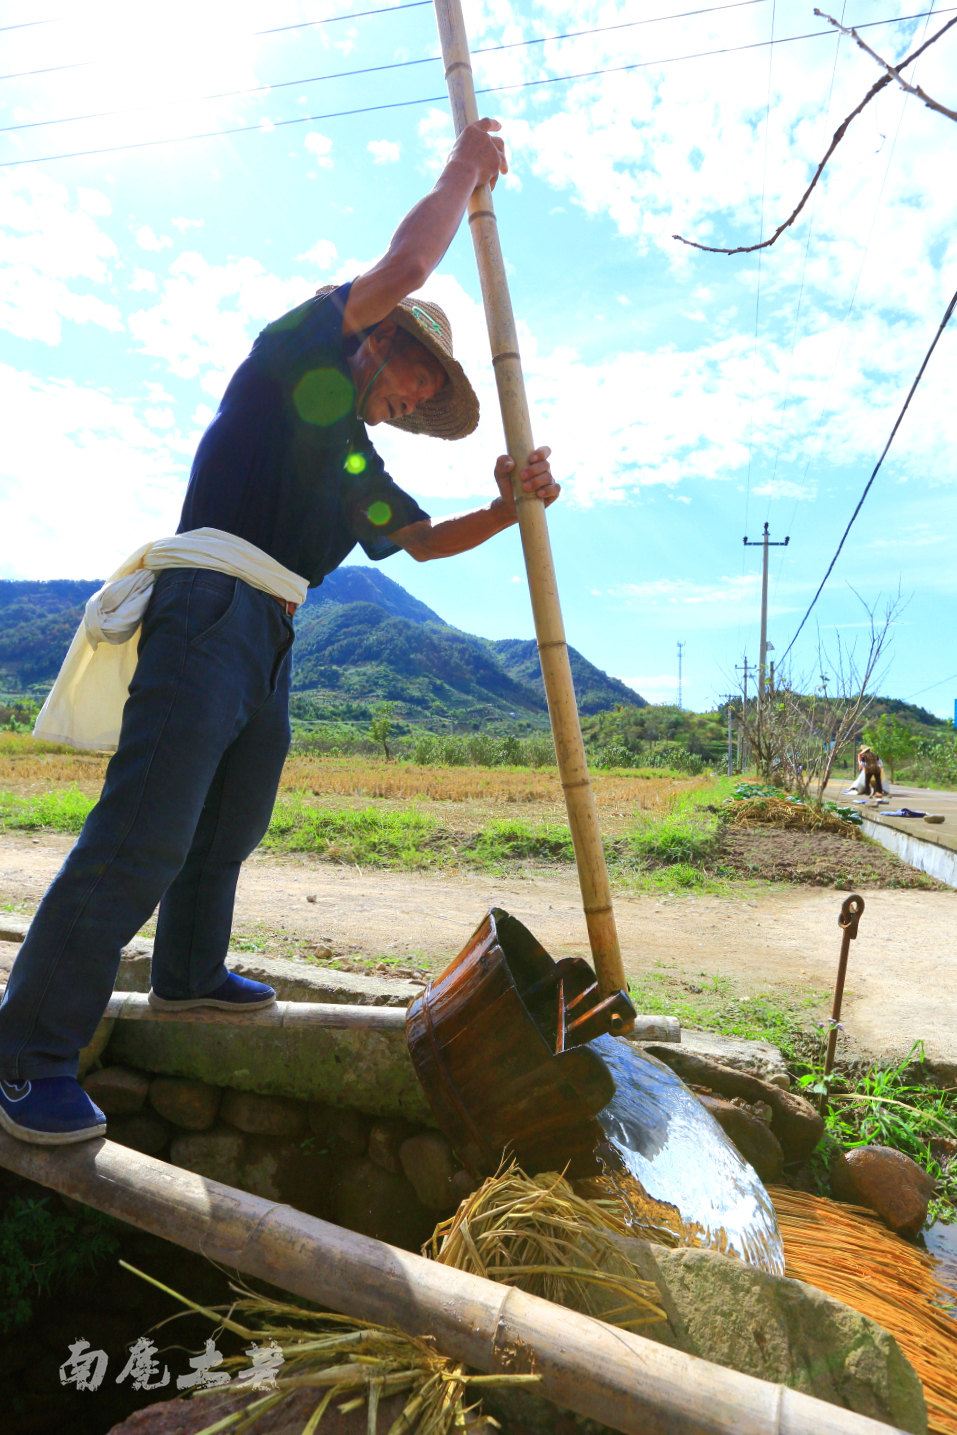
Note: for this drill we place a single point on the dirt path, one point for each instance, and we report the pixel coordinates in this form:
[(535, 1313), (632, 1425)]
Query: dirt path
[(903, 966)]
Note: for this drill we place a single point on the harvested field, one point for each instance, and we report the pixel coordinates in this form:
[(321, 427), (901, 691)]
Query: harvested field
[(814, 859), (29, 767)]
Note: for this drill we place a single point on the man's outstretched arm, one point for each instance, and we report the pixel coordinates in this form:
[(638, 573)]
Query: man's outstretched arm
[(428, 229), (448, 536)]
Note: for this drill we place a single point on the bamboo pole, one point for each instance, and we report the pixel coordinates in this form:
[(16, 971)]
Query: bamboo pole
[(549, 628), (601, 1372), (284, 1016), (301, 1016)]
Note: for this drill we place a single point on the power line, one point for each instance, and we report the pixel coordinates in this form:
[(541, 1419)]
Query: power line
[(949, 679), (371, 69), (415, 4), (264, 126), (355, 15), (26, 25), (867, 487), (329, 20)]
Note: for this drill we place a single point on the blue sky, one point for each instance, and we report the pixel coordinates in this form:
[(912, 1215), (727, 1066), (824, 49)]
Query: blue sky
[(687, 397)]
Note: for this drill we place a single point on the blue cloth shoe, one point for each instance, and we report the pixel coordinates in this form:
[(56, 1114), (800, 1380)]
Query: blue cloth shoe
[(235, 991), (49, 1111)]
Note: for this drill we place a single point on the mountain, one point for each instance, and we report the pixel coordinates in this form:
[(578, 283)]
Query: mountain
[(595, 690), (360, 639), (353, 584)]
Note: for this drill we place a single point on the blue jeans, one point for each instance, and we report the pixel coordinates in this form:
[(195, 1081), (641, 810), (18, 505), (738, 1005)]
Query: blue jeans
[(188, 795)]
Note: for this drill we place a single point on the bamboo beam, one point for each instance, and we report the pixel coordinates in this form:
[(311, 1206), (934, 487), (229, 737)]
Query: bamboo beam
[(606, 1374), (283, 1015), (543, 585), (299, 1016)]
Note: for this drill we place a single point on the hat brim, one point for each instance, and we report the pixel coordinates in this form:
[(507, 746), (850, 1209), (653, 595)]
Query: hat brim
[(454, 411)]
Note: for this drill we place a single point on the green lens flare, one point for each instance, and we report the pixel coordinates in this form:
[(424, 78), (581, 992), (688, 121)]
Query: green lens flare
[(323, 396), (355, 463), (379, 513)]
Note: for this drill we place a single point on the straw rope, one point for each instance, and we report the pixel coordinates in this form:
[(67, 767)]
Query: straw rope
[(846, 1252)]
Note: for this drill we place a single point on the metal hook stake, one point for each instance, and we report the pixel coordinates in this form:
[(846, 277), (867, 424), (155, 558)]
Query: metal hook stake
[(851, 909)]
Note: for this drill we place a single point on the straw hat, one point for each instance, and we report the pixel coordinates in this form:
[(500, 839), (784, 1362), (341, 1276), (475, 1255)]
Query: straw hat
[(454, 412)]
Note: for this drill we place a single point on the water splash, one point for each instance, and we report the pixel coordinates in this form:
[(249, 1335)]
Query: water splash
[(674, 1166)]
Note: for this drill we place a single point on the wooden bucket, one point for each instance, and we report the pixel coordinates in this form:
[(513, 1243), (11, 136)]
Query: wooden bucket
[(498, 1043)]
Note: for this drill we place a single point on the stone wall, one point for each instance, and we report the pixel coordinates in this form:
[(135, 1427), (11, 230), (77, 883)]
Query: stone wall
[(384, 1177)]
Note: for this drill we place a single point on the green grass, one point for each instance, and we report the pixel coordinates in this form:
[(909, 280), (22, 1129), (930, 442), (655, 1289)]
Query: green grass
[(673, 853), (61, 810), (507, 840), (711, 1004), (894, 1106), (680, 837), (369, 837)]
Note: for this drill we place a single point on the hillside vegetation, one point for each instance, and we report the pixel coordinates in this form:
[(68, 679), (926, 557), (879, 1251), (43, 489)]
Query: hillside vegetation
[(361, 640)]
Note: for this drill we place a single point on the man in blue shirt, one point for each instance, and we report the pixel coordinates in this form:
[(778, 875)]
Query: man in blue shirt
[(287, 465)]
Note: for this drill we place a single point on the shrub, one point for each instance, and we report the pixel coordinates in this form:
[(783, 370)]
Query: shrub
[(42, 1248), (675, 839)]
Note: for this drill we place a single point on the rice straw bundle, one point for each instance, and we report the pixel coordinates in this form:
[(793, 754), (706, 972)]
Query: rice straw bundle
[(535, 1233), (848, 1253), (780, 812), (349, 1364)]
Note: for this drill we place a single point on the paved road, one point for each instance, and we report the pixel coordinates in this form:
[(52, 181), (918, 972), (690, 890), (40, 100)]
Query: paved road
[(922, 799)]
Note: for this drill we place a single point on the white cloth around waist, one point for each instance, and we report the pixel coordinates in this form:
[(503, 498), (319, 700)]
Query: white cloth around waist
[(85, 706)]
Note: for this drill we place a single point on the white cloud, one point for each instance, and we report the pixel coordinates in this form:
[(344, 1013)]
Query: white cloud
[(52, 254), (320, 147), (92, 201), (654, 687), (384, 151), (111, 474), (685, 593), (207, 315), (785, 488), (148, 239), (323, 254), (183, 225)]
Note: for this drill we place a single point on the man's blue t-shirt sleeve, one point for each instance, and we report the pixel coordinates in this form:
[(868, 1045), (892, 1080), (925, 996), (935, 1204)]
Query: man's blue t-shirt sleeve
[(374, 505)]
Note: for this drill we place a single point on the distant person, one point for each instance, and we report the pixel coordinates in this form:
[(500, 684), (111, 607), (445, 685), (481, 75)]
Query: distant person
[(871, 770), (285, 483)]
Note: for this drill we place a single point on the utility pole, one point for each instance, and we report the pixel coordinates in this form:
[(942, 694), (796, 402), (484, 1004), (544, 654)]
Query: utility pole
[(764, 543), (730, 744), (680, 648), (746, 668)]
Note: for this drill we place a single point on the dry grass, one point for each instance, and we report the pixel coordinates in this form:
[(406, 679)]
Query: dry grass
[(348, 1364), (534, 1232), (465, 797), (779, 812)]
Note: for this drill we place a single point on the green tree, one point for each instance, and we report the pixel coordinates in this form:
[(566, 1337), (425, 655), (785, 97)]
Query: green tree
[(892, 740), (380, 728)]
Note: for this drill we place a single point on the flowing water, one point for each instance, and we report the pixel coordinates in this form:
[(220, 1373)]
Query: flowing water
[(671, 1162), (940, 1242)]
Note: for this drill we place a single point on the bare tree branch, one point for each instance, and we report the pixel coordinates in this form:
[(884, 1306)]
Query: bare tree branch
[(893, 71), (796, 732), (839, 134)]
